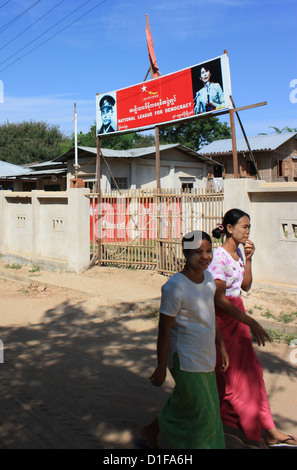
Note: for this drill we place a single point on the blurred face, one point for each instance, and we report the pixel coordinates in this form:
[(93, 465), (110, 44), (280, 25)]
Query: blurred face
[(205, 75), (200, 258), (106, 114), (240, 232)]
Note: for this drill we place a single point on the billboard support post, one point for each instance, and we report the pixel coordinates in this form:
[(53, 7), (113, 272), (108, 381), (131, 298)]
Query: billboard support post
[(246, 141), (234, 148), (157, 143), (98, 190)]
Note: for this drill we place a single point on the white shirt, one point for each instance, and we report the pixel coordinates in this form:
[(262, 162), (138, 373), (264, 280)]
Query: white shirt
[(192, 335)]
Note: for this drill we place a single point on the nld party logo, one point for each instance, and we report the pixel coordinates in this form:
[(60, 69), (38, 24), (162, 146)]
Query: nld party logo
[(151, 90)]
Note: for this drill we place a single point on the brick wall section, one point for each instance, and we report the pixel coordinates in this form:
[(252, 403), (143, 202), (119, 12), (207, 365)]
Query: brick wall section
[(266, 162)]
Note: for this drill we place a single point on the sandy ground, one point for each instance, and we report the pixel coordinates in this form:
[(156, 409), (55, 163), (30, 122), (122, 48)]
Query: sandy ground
[(79, 349)]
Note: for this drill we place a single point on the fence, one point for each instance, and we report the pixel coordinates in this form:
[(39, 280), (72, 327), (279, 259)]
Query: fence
[(143, 229)]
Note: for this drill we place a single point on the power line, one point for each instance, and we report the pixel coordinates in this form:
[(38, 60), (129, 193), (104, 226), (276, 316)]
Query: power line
[(51, 37), (42, 34), (38, 19), (18, 17), (4, 4)]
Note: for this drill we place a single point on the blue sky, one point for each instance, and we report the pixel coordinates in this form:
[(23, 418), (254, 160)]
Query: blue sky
[(103, 48)]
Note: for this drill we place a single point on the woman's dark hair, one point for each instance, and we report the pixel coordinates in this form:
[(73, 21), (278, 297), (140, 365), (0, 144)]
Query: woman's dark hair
[(207, 69), (231, 217), (193, 238)]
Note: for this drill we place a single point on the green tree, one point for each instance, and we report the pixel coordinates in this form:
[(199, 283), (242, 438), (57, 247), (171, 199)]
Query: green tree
[(28, 142), (127, 141), (284, 130), (195, 133), (277, 130), (114, 141)]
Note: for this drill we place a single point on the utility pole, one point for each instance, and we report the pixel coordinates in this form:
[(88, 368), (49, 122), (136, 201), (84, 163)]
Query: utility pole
[(76, 165)]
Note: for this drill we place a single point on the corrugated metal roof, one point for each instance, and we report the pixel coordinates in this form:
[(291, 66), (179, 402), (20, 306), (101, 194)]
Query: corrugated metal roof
[(11, 170), (257, 143), (136, 152), (129, 153), (47, 165), (51, 171)]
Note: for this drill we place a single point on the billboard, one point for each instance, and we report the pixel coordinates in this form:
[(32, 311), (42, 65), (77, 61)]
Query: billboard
[(203, 88)]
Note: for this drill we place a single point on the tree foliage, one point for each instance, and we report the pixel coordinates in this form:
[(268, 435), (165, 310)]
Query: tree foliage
[(284, 130), (127, 141), (29, 142), (277, 130), (114, 141), (195, 133)]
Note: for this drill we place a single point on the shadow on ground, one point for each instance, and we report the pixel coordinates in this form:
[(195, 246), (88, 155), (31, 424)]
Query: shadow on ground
[(77, 380)]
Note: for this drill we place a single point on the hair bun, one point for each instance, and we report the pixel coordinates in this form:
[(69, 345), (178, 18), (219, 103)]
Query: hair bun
[(218, 231)]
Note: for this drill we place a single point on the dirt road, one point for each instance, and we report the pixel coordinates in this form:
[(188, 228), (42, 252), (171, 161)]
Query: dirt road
[(78, 351)]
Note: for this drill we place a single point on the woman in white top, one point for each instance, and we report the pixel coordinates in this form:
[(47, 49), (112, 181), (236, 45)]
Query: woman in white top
[(186, 344)]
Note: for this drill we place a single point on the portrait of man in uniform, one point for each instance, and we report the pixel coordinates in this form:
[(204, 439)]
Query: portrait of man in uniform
[(106, 105)]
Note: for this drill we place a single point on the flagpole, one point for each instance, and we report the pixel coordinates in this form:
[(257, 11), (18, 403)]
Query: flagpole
[(154, 74)]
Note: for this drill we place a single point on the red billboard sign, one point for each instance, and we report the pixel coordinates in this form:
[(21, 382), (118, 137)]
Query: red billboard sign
[(204, 88)]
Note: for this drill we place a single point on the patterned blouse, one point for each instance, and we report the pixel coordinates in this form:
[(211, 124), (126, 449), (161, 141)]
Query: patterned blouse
[(226, 268)]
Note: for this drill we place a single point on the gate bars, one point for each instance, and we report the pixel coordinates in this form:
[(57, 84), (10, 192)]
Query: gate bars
[(142, 229)]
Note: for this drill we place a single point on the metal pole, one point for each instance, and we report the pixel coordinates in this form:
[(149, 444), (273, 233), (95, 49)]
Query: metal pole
[(75, 143), (99, 206), (246, 140), (234, 149), (157, 157)]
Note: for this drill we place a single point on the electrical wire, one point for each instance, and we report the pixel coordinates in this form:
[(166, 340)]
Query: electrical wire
[(38, 19), (42, 34), (4, 4), (51, 37), (18, 16)]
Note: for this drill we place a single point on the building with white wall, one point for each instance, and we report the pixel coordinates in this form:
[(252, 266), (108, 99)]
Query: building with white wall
[(180, 167)]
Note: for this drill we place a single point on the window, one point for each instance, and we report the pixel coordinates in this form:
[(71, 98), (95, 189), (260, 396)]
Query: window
[(119, 183), (283, 168), (187, 187), (279, 168), (187, 183), (91, 184), (218, 171), (250, 168), (52, 187)]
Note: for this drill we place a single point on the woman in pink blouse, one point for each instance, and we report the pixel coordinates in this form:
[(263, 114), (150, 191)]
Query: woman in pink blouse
[(243, 398)]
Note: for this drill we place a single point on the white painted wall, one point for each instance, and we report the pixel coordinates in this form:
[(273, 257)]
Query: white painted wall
[(270, 206), (48, 229)]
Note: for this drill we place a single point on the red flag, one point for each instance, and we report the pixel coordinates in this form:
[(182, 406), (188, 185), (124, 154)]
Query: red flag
[(150, 48)]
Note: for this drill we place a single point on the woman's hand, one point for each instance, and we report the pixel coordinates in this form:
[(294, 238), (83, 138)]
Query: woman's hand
[(158, 377), (224, 358), (222, 349), (165, 324), (259, 334), (249, 249)]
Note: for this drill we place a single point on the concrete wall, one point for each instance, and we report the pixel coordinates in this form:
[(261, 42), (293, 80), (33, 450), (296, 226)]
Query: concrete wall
[(273, 211), (48, 229)]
